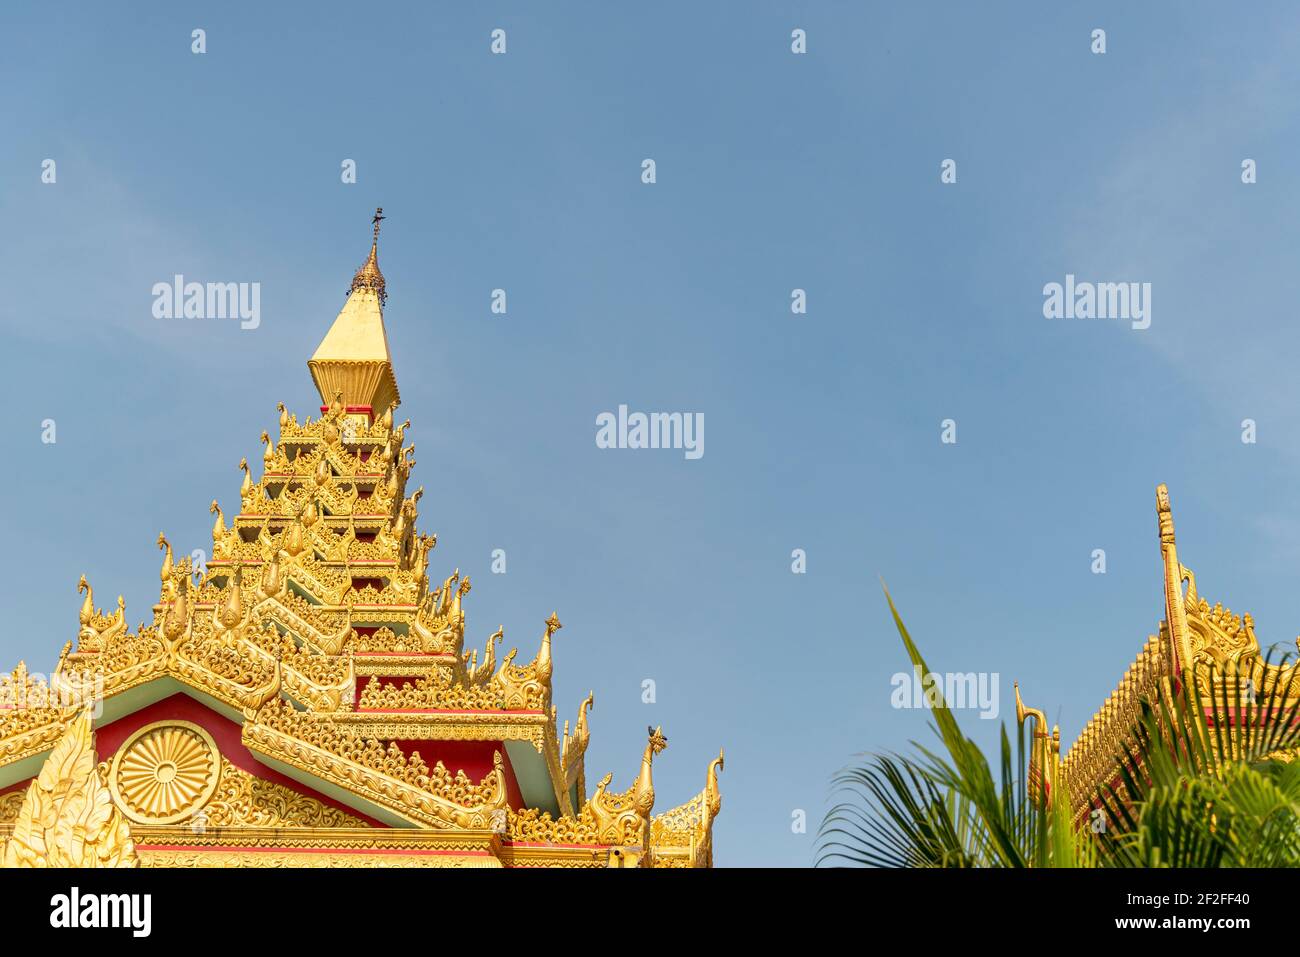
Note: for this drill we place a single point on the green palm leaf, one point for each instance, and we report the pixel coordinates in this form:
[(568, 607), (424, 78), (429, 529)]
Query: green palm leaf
[(1193, 787)]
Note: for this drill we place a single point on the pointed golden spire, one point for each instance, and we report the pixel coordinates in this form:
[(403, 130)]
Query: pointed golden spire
[(369, 276), (1175, 573), (353, 358)]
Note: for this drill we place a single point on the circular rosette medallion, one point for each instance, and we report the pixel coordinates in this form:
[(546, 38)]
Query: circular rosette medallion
[(164, 772)]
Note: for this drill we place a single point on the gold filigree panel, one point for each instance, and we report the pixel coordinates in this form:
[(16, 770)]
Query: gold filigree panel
[(245, 800)]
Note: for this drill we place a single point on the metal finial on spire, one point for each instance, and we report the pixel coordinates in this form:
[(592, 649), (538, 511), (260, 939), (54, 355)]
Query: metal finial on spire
[(369, 276)]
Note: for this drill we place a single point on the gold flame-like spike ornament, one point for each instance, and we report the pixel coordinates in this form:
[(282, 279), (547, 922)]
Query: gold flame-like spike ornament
[(68, 818)]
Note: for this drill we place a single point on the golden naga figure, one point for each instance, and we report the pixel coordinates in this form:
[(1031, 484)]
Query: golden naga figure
[(98, 629), (1044, 753), (318, 638), (625, 818)]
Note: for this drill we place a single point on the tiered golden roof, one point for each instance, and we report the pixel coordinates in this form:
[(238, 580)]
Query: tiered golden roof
[(315, 630), (1192, 633)]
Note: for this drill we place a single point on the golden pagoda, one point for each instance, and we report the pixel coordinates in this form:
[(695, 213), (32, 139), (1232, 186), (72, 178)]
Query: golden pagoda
[(1205, 644), (306, 698)]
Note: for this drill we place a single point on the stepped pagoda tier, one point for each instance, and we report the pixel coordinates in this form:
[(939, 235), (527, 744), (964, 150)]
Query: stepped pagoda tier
[(308, 699), (1208, 646)]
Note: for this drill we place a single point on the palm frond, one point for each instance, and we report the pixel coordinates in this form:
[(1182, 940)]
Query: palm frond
[(1198, 782)]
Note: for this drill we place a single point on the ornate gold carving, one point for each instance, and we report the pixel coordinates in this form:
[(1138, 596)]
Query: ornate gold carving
[(435, 691), (683, 837), (574, 748), (32, 716), (245, 800), (529, 686), (257, 846), (621, 820), (458, 726), (164, 772), (98, 629), (387, 776), (511, 688), (322, 575), (310, 858), (67, 818), (625, 818), (439, 626), (10, 805), (533, 825), (476, 672)]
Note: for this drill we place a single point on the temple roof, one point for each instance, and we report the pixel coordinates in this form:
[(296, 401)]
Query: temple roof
[(353, 358), (1196, 642), (313, 647)]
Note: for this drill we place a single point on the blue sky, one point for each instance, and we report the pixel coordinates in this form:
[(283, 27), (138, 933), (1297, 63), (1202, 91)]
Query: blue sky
[(775, 172)]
